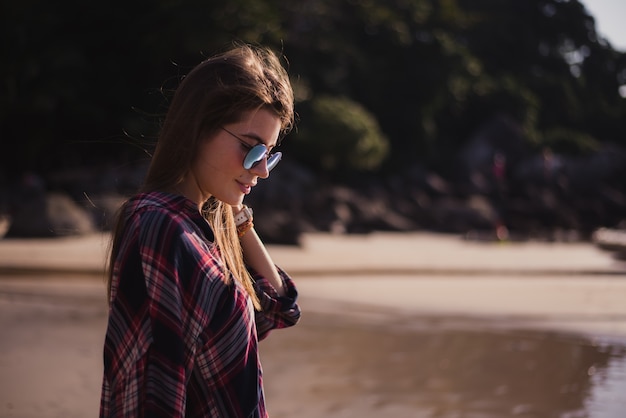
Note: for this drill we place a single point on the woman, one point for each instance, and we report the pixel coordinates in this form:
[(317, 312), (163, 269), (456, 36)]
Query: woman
[(192, 288)]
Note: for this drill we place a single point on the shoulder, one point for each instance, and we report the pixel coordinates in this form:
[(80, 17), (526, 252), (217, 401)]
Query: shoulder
[(162, 219), (168, 230), (157, 203), (156, 208)]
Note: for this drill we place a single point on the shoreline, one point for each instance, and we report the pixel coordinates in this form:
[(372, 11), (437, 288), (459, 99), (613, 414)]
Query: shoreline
[(570, 285), (392, 325)]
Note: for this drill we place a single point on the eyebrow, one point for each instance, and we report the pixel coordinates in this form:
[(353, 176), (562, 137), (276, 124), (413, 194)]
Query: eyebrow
[(258, 139)]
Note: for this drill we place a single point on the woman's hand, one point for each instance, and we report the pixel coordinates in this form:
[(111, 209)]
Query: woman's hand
[(256, 256)]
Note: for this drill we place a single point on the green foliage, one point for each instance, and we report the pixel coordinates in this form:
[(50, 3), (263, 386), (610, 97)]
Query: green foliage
[(340, 136), (569, 142), (77, 76)]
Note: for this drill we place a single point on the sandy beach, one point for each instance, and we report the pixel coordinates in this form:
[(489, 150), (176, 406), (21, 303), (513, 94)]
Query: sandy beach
[(394, 325)]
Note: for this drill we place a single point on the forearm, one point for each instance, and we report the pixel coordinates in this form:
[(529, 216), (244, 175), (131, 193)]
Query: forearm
[(256, 256)]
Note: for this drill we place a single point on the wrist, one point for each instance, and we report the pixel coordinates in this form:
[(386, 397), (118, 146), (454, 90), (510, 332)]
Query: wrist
[(242, 216), (242, 229), (243, 221)]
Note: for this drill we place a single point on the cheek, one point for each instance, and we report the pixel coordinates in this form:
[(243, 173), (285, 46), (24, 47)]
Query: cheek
[(214, 159)]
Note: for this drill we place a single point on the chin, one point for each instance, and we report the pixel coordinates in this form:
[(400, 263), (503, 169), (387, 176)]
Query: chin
[(233, 201)]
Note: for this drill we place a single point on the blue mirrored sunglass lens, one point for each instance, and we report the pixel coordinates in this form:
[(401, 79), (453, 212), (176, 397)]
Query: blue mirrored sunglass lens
[(256, 154), (273, 160)]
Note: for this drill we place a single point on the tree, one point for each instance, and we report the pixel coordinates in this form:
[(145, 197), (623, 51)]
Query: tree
[(88, 82), (341, 137)]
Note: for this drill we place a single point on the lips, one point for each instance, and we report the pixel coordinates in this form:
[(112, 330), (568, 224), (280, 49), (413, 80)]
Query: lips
[(245, 188)]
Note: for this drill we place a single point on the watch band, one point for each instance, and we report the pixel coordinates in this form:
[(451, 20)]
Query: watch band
[(243, 216)]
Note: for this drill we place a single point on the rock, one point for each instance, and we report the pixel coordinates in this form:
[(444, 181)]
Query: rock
[(49, 215), (608, 239), (463, 215), (5, 224), (277, 227), (103, 209)]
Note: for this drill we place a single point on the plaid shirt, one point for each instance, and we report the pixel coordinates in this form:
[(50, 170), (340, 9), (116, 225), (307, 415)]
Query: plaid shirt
[(180, 342)]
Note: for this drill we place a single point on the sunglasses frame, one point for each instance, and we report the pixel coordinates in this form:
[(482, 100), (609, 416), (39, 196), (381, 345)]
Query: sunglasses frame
[(256, 154)]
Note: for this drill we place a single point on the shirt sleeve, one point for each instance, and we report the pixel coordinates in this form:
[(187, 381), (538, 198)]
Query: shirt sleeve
[(276, 311)]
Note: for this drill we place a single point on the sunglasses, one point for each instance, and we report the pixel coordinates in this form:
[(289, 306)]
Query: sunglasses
[(256, 154)]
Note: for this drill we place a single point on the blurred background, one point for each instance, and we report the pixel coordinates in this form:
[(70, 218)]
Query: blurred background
[(490, 120), (498, 119)]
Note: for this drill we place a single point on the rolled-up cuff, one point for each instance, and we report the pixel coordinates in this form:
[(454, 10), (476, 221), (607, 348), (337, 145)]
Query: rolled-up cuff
[(269, 297)]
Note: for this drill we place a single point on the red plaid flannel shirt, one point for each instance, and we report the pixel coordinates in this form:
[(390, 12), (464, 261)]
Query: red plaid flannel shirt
[(180, 342)]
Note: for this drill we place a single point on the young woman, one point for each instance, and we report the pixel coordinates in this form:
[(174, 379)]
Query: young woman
[(192, 288)]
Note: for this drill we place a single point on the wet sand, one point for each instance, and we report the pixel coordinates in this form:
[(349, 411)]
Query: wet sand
[(330, 368), (366, 362), (413, 343), (51, 347)]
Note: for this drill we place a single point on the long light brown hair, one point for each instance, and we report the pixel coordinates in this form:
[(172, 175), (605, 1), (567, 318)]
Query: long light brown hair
[(215, 93)]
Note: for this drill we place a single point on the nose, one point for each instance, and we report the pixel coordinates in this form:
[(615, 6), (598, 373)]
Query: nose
[(260, 169)]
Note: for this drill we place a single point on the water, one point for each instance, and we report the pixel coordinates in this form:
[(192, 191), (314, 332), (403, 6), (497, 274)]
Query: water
[(331, 366), (435, 370), (609, 389)]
